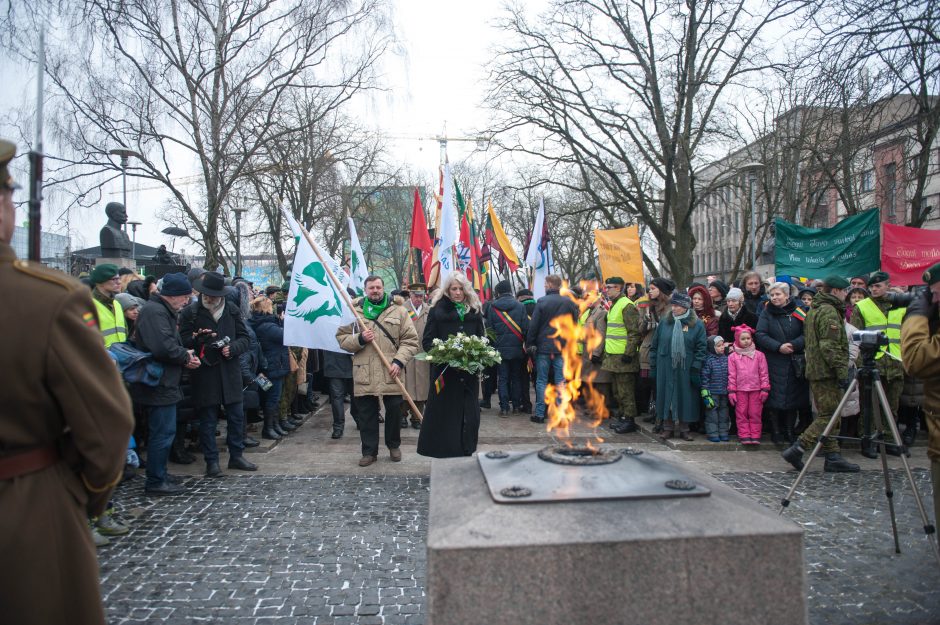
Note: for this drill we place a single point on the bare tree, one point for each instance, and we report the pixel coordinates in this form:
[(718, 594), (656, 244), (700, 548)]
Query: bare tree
[(199, 85), (629, 94)]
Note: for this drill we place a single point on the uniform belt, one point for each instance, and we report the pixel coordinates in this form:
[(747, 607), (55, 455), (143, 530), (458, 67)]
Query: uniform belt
[(30, 461)]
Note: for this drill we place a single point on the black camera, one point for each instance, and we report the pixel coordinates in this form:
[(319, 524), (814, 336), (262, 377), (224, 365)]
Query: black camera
[(222, 342), (901, 300), (870, 338)]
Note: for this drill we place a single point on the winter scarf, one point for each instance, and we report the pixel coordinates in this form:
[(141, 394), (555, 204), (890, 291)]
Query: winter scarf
[(372, 310), (461, 309), (217, 310), (678, 340), (738, 331)]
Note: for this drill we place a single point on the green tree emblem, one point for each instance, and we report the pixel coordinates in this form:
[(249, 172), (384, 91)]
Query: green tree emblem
[(315, 296)]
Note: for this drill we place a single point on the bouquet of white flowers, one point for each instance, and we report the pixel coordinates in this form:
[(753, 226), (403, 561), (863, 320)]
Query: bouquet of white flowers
[(470, 353)]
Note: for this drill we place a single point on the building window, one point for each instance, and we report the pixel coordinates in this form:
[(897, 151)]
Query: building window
[(868, 180), (891, 187)]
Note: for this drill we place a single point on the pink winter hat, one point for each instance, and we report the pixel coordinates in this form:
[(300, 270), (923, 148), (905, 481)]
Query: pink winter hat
[(738, 330)]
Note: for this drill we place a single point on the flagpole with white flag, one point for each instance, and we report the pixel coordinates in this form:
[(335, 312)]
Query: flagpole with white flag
[(358, 271), (539, 254), (448, 235), (298, 282)]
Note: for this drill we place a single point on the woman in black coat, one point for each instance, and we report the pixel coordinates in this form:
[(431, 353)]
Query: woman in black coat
[(780, 336), (451, 423), (270, 335)]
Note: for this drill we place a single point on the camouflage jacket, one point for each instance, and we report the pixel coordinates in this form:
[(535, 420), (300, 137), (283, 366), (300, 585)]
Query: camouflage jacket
[(827, 345)]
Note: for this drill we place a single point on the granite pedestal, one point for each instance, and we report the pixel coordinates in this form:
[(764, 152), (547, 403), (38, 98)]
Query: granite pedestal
[(130, 263), (721, 559)]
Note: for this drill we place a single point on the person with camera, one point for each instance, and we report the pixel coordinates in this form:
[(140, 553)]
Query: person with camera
[(877, 313), (920, 350), (216, 331), (827, 369)]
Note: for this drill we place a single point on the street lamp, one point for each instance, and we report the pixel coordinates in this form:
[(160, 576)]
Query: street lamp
[(751, 169), (125, 154), (133, 225), (238, 239)]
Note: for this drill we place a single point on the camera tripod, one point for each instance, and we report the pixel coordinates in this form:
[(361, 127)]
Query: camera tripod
[(868, 381)]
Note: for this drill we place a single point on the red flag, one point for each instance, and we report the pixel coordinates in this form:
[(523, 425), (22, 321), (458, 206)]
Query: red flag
[(420, 239)]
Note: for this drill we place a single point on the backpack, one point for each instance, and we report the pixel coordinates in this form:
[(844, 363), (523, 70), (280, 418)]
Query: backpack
[(136, 366)]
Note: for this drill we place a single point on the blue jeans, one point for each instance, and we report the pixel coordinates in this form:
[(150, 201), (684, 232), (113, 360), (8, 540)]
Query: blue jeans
[(161, 427), (234, 431), (272, 397), (717, 421), (544, 363), (508, 383)]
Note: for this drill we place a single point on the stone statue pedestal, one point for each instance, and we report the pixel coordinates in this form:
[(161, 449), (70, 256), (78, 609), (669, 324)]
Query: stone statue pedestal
[(717, 560), (130, 263)]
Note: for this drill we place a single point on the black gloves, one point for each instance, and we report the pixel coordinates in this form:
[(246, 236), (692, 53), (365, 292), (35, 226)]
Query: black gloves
[(626, 359), (922, 305)]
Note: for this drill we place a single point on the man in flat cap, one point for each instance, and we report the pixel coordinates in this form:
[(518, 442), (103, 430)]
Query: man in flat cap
[(827, 369), (65, 420), (920, 350), (875, 313)]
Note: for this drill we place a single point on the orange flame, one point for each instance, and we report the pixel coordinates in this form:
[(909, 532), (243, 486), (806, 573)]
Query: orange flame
[(561, 398)]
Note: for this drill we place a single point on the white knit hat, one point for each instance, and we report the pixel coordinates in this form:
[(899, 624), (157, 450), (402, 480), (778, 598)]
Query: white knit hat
[(734, 293)]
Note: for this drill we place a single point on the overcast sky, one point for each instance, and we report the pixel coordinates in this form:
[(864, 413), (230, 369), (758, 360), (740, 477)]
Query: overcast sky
[(436, 78)]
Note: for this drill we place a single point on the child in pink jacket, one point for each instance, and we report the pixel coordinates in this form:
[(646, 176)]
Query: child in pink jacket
[(748, 384)]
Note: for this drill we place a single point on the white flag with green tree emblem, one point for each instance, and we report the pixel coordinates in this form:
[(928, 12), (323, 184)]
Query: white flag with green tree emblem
[(358, 272), (315, 309)]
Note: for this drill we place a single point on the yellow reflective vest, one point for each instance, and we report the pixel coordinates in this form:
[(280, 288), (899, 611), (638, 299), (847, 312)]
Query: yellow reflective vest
[(581, 321), (111, 322), (876, 320), (615, 340)]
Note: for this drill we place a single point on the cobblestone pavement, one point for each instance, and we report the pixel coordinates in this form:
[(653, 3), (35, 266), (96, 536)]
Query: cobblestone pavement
[(350, 549)]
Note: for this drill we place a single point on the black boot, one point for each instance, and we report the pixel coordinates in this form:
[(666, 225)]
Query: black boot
[(249, 441), (337, 431), (295, 420), (626, 426), (869, 448), (287, 426), (178, 453), (909, 435), (835, 463), (268, 432), (794, 455)]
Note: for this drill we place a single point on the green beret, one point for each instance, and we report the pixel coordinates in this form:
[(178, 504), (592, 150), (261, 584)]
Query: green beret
[(614, 280), (878, 276), (836, 282), (7, 152), (103, 273), (932, 275)]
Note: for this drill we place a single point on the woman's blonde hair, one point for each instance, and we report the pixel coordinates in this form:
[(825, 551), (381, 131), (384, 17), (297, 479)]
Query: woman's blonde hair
[(472, 299), (127, 279), (262, 305)]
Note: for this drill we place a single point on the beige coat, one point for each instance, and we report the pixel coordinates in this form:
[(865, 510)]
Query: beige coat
[(370, 377), (597, 320), (418, 372)]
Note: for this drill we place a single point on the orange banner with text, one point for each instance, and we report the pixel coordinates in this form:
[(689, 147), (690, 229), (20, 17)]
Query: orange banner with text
[(619, 253)]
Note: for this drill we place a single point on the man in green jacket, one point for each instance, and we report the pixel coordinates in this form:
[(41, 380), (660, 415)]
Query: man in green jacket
[(920, 349), (621, 352), (827, 369)]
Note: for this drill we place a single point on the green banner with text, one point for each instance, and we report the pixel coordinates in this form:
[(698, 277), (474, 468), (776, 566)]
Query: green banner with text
[(850, 248)]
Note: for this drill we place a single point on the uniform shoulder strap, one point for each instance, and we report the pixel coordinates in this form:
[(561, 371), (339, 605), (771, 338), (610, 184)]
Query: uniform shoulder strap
[(35, 270)]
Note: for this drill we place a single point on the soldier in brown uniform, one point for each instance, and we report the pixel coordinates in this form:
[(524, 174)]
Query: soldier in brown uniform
[(65, 421)]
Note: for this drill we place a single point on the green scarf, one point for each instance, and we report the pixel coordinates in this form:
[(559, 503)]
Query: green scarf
[(461, 309), (372, 311)]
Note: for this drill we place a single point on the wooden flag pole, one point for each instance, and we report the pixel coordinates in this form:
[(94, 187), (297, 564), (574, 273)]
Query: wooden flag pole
[(362, 324)]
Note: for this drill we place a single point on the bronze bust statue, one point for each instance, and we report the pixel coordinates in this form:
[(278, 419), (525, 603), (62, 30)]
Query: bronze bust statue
[(114, 241)]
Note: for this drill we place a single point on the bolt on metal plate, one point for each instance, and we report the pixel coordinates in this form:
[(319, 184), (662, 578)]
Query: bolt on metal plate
[(631, 476)]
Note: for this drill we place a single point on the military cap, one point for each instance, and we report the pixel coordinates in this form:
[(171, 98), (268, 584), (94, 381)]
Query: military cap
[(836, 282), (878, 276), (103, 273), (418, 287), (7, 152), (932, 275), (614, 280)]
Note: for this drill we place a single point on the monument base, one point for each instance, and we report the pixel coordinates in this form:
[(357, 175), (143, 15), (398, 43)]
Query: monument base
[(721, 559), (130, 263)]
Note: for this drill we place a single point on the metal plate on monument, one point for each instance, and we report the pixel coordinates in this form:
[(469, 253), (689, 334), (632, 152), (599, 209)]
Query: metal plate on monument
[(577, 474)]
